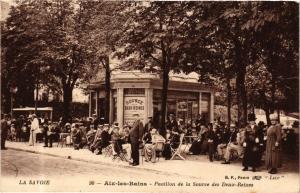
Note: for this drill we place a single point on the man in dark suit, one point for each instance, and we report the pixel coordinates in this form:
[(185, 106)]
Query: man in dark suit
[(172, 123), (4, 130), (136, 134), (149, 124)]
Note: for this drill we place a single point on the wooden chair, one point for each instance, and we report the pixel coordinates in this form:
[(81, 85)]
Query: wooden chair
[(177, 151)]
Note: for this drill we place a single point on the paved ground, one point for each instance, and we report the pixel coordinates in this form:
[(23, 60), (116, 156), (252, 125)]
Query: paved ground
[(23, 165), (64, 174)]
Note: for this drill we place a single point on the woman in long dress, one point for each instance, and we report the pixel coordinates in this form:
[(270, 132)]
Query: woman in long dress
[(273, 150), (251, 145)]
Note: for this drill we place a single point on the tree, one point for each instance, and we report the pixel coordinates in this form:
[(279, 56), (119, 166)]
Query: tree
[(154, 40), (220, 25), (277, 27), (103, 39), (46, 39), (23, 45)]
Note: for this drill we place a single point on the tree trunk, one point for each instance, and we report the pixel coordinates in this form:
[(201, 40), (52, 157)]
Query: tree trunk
[(240, 85), (164, 99), (267, 111), (266, 106), (241, 96), (67, 97), (228, 102), (166, 69), (5, 97), (107, 91), (273, 90), (278, 114)]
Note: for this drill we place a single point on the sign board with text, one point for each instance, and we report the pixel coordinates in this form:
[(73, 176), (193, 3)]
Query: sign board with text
[(133, 105)]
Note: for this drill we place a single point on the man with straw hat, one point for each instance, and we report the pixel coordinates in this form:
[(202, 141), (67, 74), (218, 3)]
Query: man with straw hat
[(33, 128)]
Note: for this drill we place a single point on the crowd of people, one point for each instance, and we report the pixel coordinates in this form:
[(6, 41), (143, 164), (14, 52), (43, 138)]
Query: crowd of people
[(248, 142)]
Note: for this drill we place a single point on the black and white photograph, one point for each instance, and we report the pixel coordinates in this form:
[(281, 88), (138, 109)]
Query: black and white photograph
[(149, 96)]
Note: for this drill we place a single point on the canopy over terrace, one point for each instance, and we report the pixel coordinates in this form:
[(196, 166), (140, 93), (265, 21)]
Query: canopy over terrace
[(45, 111)]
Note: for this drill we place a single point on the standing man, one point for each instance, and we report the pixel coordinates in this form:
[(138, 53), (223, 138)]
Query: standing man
[(4, 130), (19, 126), (172, 123), (198, 123), (136, 134), (232, 144), (96, 121), (33, 128), (48, 133), (149, 124)]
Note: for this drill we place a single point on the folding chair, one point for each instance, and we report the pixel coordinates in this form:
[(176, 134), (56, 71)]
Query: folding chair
[(107, 151), (63, 139), (121, 155), (177, 151)]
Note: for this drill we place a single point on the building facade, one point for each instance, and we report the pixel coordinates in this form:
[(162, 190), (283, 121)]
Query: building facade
[(136, 92)]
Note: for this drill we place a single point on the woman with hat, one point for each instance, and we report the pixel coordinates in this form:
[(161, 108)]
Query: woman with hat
[(273, 150), (251, 146)]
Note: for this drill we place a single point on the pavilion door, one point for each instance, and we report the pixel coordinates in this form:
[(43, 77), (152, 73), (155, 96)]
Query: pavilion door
[(101, 107)]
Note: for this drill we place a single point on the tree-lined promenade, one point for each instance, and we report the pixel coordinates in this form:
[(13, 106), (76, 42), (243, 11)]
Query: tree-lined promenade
[(62, 44)]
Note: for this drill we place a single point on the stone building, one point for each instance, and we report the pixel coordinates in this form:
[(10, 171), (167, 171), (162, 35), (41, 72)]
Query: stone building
[(137, 92)]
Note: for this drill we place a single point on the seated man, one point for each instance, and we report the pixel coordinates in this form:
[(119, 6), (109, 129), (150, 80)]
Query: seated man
[(125, 141), (173, 140), (150, 148), (167, 149), (225, 136), (77, 136), (235, 144), (97, 139), (13, 132), (175, 137), (90, 136), (105, 139), (116, 140), (198, 145)]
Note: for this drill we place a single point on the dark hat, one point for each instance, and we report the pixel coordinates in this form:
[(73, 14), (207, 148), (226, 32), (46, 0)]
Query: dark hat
[(295, 124), (251, 117), (261, 124)]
